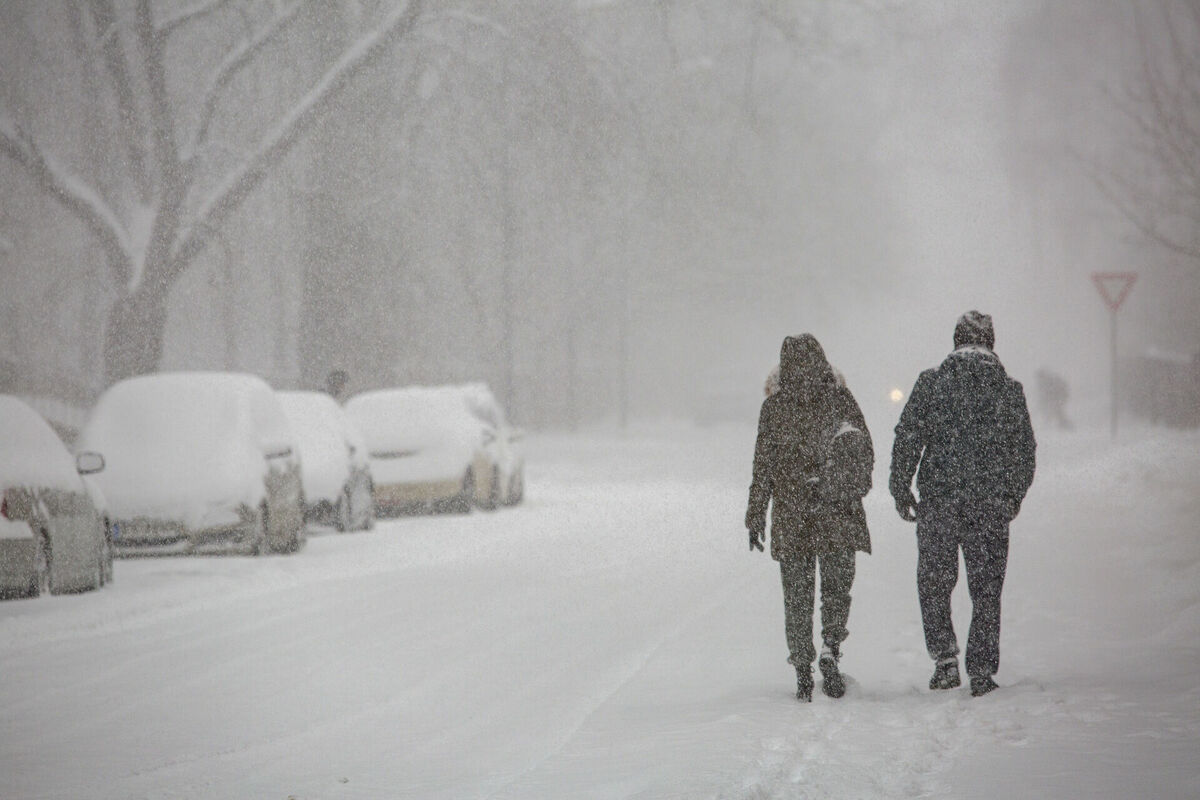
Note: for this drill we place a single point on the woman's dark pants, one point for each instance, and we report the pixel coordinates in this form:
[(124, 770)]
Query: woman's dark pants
[(799, 584)]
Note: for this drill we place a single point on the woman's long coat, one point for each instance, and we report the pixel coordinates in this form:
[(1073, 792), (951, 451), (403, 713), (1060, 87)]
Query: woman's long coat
[(812, 459)]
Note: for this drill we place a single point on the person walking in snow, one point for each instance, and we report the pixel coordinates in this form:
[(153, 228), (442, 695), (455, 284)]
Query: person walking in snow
[(812, 463), (335, 384), (967, 425), (1053, 391)]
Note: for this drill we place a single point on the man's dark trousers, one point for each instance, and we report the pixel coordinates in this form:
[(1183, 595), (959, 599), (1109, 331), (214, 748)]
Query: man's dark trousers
[(942, 528)]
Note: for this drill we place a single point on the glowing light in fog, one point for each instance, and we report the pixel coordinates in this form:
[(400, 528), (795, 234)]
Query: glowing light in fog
[(896, 395)]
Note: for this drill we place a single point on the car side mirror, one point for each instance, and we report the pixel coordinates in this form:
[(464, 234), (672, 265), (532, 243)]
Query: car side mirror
[(89, 463)]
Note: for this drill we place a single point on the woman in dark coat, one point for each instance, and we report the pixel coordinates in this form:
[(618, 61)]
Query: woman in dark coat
[(812, 462)]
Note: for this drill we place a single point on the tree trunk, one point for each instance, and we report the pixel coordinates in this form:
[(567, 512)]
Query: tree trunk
[(133, 339)]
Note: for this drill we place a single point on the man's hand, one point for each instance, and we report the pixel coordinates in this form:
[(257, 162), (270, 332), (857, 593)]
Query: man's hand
[(906, 505), (756, 539), (1009, 508)]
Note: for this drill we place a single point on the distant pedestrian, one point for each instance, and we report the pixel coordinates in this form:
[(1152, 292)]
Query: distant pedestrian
[(967, 425), (335, 384), (1053, 391), (812, 463)]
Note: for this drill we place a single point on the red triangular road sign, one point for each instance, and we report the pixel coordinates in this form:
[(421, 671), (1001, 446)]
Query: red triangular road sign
[(1114, 287)]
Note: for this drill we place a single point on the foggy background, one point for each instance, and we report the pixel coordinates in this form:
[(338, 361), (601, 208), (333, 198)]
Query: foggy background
[(609, 211)]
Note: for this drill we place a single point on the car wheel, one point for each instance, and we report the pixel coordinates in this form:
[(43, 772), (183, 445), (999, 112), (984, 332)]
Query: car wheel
[(42, 563), (369, 516), (342, 520), (108, 554), (296, 537), (295, 541), (493, 499), (516, 488), (102, 556), (96, 576), (462, 503), (258, 540)]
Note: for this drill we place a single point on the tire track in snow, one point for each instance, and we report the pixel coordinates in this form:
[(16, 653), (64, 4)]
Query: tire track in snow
[(615, 680)]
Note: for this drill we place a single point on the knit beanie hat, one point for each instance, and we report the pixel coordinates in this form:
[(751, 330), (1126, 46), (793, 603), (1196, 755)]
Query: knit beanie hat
[(974, 327)]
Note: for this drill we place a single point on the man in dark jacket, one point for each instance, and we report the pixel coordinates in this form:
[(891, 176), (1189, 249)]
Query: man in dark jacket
[(812, 463), (967, 424)]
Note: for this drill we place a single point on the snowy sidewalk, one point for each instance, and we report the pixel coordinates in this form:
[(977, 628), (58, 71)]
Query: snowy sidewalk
[(1101, 688), (613, 638)]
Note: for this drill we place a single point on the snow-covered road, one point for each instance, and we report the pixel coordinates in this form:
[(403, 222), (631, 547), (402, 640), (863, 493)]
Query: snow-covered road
[(614, 638)]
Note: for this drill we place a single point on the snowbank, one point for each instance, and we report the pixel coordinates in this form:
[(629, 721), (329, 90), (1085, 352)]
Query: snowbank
[(613, 637)]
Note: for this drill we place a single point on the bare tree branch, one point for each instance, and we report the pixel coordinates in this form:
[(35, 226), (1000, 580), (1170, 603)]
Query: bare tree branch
[(234, 62), (787, 27), (162, 125), (1124, 196), (173, 183), (75, 195), (104, 16), (186, 15), (476, 20), (1155, 184), (276, 144)]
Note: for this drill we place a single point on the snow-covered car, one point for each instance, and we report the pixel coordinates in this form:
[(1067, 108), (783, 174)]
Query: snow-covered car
[(427, 451), (197, 461), (52, 538), (506, 484), (333, 461)]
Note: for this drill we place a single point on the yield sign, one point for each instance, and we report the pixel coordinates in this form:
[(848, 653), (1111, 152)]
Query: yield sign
[(1114, 287)]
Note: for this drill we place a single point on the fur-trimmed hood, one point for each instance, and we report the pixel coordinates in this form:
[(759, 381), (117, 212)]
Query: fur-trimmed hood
[(804, 372)]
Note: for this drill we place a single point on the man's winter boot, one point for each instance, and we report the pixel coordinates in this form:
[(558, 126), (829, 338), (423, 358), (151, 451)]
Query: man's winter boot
[(804, 684), (981, 685), (832, 682), (945, 674)]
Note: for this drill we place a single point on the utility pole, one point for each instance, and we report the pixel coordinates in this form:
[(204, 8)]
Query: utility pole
[(509, 251), (623, 346)]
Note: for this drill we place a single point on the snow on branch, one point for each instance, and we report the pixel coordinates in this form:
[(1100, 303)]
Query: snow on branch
[(272, 148), (477, 20), (74, 194), (1125, 196), (132, 132), (237, 59)]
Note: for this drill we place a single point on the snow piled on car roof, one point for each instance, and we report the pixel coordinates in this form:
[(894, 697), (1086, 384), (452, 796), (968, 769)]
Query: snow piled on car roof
[(179, 445), (31, 454), (322, 435), (417, 433), (412, 417)]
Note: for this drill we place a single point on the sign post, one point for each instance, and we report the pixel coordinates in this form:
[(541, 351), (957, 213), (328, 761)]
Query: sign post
[(1114, 288)]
